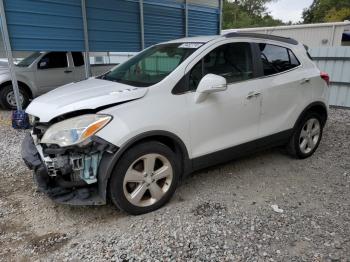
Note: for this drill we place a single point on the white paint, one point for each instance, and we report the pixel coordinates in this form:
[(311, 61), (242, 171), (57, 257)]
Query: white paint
[(222, 120)]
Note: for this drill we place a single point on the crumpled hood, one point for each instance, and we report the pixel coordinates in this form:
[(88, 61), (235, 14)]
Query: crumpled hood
[(88, 94)]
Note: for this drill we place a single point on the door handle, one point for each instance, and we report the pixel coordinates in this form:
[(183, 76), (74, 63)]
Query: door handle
[(305, 81), (253, 94), (68, 71)]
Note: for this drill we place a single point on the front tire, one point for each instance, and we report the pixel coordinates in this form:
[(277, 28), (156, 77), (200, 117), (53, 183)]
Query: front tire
[(145, 178), (307, 136), (7, 98)]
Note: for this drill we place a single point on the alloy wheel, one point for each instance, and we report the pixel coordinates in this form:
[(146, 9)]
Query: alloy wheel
[(11, 99), (309, 135), (147, 180)]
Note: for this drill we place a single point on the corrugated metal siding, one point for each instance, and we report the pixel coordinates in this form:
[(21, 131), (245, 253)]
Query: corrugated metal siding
[(163, 21), (311, 37), (314, 36), (209, 3), (336, 62), (113, 26), (52, 24), (199, 26)]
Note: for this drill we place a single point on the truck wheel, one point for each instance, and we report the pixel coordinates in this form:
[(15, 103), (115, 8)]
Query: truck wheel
[(307, 136), (7, 98), (145, 178)]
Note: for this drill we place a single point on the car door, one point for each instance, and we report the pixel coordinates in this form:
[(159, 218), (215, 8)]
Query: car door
[(229, 118), (284, 88), (53, 70)]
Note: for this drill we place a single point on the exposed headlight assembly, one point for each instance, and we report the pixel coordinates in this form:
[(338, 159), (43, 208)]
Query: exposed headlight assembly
[(32, 120), (75, 130)]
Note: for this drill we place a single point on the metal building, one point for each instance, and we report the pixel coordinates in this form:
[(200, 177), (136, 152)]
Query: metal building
[(312, 35), (102, 25), (336, 62), (112, 25)]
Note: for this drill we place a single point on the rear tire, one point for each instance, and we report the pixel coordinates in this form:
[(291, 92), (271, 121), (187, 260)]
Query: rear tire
[(306, 136), (145, 178), (7, 98)]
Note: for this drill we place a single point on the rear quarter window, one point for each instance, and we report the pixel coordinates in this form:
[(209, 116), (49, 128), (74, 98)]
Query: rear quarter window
[(277, 59)]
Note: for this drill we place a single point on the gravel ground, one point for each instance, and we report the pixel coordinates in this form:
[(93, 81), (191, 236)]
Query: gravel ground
[(225, 213)]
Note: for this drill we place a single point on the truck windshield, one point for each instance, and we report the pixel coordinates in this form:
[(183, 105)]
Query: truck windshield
[(152, 65), (29, 60)]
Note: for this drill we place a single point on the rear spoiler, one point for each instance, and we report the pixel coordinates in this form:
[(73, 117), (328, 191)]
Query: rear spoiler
[(307, 51)]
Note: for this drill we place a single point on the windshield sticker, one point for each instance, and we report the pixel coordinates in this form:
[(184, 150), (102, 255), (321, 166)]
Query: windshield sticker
[(191, 45)]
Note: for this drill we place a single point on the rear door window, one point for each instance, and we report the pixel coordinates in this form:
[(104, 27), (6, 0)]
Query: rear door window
[(276, 59)]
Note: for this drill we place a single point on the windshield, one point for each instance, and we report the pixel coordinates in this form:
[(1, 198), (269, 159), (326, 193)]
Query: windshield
[(152, 65), (29, 60)]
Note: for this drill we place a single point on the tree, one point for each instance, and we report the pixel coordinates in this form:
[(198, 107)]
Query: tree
[(255, 7), (247, 13), (335, 15), (327, 11)]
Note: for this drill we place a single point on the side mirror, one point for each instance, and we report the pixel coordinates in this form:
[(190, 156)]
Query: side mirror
[(210, 83)]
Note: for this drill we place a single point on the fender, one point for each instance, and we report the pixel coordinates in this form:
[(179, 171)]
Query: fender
[(5, 79), (110, 159), (314, 104)]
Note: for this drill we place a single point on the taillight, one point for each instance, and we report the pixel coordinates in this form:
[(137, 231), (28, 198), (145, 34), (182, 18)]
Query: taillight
[(325, 77)]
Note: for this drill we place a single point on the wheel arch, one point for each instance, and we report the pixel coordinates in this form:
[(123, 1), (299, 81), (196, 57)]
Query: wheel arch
[(171, 140), (20, 84), (317, 107)]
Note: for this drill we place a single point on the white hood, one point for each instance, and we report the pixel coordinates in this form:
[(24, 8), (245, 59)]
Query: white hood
[(88, 94)]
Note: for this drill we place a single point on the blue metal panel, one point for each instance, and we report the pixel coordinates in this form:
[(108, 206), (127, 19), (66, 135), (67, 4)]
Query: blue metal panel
[(203, 20), (163, 21), (113, 26), (45, 25)]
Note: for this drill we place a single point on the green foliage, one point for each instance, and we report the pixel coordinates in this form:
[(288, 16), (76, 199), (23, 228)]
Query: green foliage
[(327, 11), (247, 13), (335, 15)]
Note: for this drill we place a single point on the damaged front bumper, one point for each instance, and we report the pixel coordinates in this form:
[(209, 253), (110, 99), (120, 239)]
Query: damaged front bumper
[(73, 175)]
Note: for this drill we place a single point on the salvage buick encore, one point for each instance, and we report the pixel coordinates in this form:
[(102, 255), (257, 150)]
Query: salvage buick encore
[(131, 134)]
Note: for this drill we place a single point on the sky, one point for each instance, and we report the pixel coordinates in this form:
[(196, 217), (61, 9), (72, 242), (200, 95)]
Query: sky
[(288, 10)]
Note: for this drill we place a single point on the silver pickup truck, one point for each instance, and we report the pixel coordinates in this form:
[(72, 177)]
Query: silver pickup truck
[(43, 71)]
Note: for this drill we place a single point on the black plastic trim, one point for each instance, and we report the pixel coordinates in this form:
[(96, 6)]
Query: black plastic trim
[(182, 86), (263, 36), (258, 66), (29, 153), (231, 153)]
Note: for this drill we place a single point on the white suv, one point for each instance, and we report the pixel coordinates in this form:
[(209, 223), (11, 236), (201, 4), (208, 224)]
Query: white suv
[(133, 133)]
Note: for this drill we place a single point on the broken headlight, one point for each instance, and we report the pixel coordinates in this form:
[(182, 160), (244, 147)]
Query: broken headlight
[(32, 120), (75, 130)]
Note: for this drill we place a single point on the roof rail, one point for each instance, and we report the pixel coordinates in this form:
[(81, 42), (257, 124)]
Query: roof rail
[(263, 36)]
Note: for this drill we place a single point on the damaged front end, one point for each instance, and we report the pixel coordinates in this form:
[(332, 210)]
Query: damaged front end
[(67, 174)]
